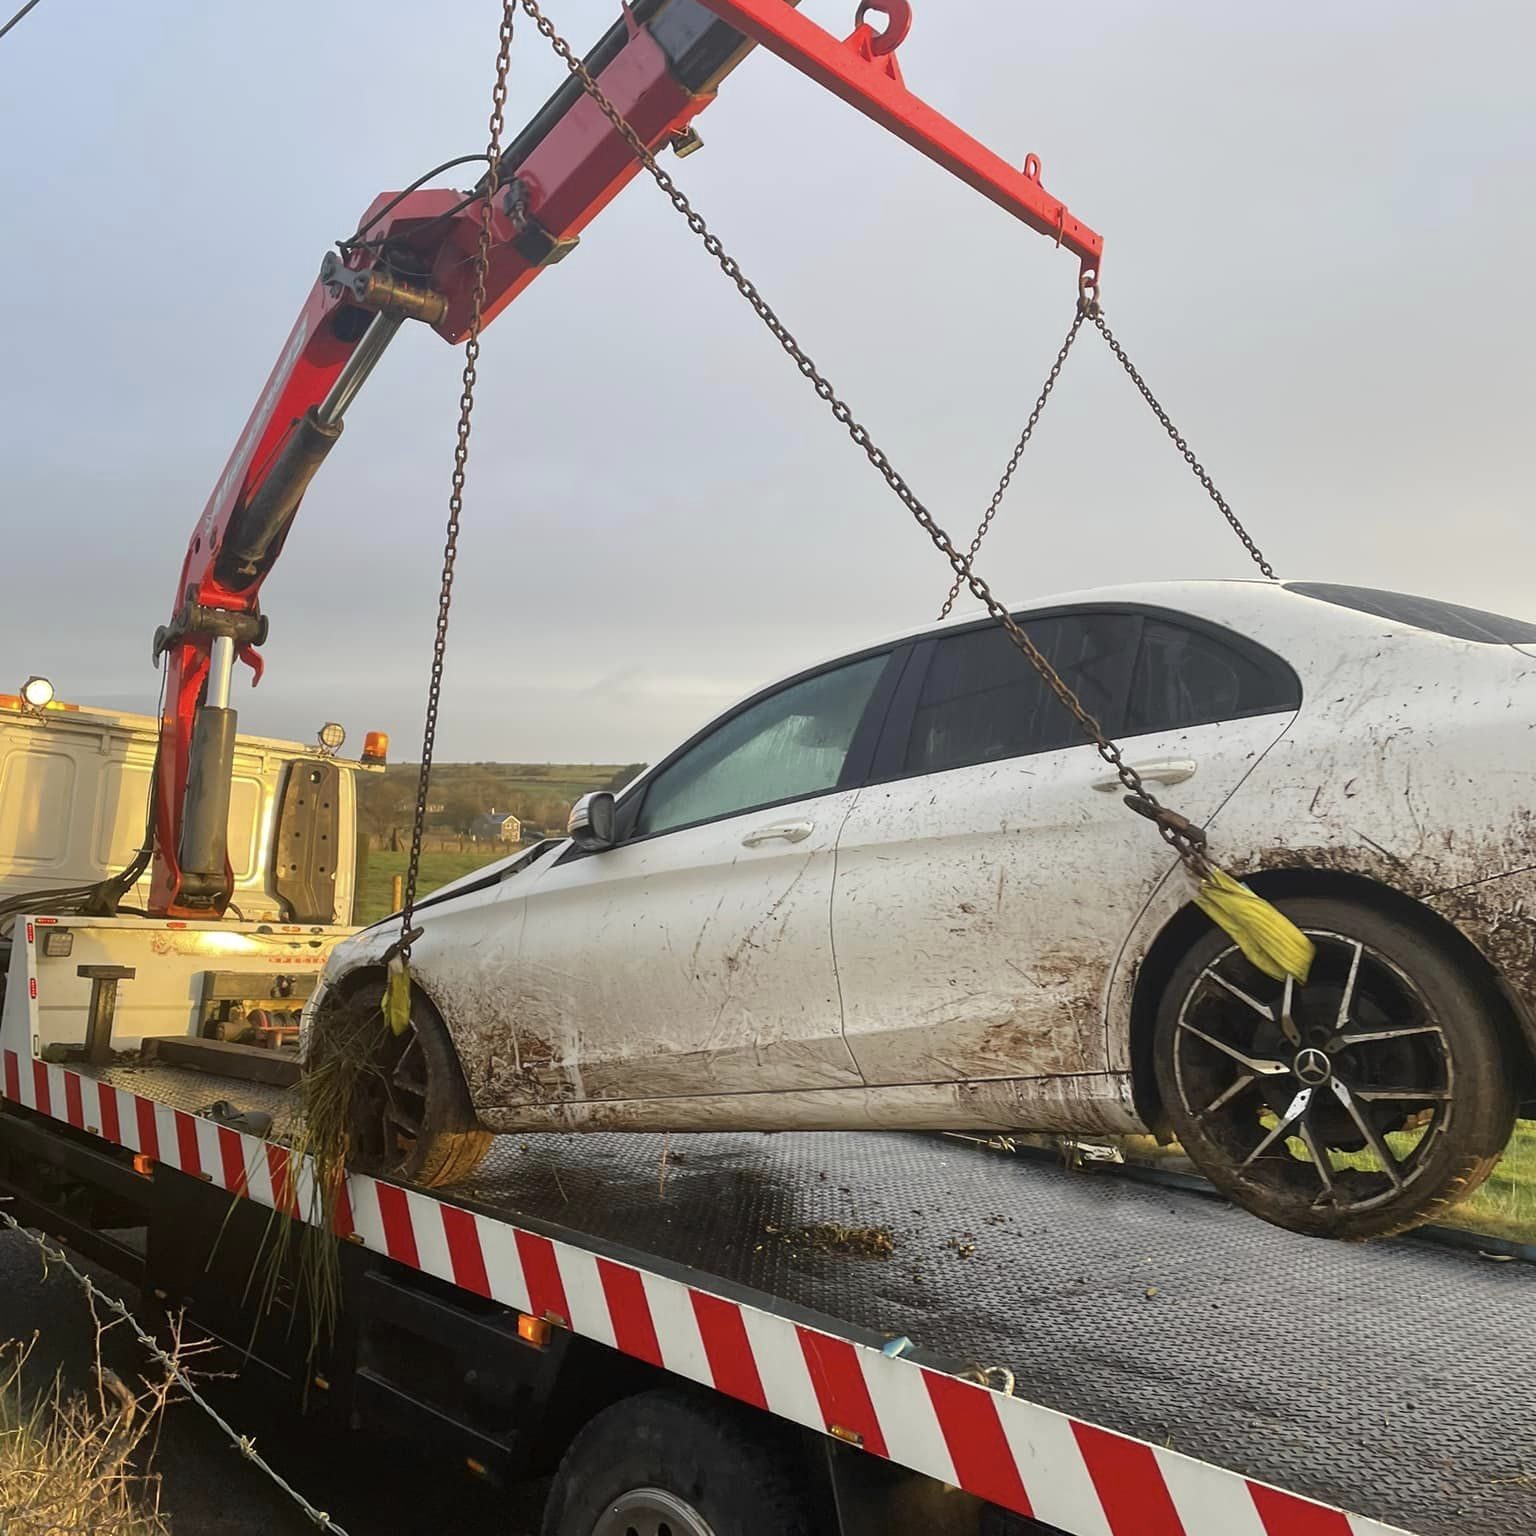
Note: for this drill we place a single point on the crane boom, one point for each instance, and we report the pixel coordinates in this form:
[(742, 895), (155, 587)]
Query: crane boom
[(414, 258)]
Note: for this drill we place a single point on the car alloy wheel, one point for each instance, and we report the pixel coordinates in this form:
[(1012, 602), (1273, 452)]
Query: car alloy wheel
[(1334, 1095)]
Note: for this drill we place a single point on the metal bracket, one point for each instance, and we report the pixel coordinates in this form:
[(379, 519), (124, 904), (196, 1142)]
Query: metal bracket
[(380, 292), (245, 629), (531, 240), (98, 1034), (879, 48)]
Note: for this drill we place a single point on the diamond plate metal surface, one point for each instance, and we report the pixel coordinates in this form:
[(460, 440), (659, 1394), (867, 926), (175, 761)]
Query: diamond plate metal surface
[(1389, 1378), (192, 1091)]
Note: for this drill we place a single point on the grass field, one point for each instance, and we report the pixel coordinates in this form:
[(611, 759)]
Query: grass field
[(437, 869), (1504, 1207)]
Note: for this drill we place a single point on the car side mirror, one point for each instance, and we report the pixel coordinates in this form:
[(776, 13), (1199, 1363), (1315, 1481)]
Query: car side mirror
[(591, 826)]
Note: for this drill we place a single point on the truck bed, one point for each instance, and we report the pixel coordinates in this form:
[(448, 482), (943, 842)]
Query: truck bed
[(1389, 1378)]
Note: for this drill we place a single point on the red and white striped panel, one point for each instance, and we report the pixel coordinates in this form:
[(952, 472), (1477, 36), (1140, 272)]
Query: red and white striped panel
[(1063, 1471)]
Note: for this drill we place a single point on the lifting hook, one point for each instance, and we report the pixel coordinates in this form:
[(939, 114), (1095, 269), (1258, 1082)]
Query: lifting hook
[(898, 19)]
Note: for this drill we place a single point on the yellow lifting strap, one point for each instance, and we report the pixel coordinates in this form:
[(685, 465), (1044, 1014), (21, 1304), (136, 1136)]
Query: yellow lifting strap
[(397, 995), (1264, 934)]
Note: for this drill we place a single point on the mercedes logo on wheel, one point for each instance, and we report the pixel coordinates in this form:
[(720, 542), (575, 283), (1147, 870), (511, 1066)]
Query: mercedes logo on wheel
[(1313, 1066)]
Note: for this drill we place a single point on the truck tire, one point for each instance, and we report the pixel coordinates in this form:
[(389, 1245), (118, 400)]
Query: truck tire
[(410, 1117), (662, 1464), (1360, 1104)]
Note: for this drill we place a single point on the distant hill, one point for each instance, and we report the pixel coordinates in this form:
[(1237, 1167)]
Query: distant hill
[(539, 794)]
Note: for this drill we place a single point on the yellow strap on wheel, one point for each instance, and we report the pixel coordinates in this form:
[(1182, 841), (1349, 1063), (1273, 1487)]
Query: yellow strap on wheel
[(1264, 933), (397, 996)]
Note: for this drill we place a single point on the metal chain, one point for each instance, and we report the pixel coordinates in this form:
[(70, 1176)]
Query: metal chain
[(460, 459), (1195, 465), (985, 524), (1185, 838), (167, 1362)]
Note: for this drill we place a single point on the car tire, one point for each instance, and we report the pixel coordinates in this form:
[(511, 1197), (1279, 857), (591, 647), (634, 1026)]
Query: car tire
[(1409, 1097), (410, 1117), (662, 1464)]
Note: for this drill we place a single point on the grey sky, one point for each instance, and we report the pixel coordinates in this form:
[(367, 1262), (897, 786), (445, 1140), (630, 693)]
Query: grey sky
[(1319, 227)]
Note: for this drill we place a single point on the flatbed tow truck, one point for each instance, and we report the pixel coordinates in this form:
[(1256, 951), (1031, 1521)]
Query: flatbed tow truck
[(808, 1332)]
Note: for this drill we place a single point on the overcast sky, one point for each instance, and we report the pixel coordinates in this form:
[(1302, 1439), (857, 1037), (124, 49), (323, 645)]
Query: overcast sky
[(1319, 227)]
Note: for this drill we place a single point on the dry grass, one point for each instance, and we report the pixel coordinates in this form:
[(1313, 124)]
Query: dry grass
[(342, 1052), (74, 1463)]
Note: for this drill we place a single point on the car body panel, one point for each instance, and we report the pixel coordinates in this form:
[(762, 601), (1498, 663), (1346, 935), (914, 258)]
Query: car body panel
[(1409, 766), (1083, 1103), (1016, 883), (706, 953)]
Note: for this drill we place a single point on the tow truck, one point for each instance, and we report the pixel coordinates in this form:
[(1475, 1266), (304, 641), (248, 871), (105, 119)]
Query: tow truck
[(744, 1335)]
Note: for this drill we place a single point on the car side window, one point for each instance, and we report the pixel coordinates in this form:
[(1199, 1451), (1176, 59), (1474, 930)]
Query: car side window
[(790, 745), (981, 700), (1187, 677)]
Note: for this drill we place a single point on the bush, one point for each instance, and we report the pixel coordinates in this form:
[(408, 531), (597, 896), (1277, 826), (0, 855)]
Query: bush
[(66, 1459)]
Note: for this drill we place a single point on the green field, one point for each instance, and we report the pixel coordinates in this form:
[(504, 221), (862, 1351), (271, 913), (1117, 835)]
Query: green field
[(436, 869), (1504, 1207)]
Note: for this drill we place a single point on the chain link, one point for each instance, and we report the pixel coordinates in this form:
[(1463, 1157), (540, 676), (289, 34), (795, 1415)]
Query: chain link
[(984, 526), (1195, 465), (1185, 839), (460, 459), (167, 1362)]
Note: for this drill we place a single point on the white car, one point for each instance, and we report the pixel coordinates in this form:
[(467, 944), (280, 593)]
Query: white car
[(898, 890)]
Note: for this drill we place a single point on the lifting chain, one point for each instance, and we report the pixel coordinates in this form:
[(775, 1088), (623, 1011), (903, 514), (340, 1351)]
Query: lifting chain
[(1018, 452), (1089, 308), (456, 492), (1186, 839), (1195, 465)]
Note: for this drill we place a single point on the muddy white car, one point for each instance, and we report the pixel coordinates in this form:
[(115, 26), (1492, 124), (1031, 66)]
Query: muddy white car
[(898, 890)]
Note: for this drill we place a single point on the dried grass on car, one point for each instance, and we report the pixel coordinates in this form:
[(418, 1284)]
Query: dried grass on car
[(342, 1052)]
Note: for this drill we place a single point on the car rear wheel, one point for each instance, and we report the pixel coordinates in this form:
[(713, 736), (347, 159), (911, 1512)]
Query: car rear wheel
[(409, 1114), (1357, 1105)]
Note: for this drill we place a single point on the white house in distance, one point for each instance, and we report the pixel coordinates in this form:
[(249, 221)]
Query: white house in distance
[(495, 826)]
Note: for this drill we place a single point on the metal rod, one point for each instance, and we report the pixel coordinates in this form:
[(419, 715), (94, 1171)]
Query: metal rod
[(221, 670), (863, 84), (354, 373)]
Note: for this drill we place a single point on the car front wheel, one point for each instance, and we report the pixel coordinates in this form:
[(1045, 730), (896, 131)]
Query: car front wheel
[(406, 1108), (1357, 1105)]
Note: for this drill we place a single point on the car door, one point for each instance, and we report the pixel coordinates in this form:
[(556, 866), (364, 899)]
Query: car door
[(984, 890), (695, 957)]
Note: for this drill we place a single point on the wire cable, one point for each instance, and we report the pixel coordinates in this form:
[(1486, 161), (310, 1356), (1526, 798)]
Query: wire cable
[(355, 240), (19, 14)]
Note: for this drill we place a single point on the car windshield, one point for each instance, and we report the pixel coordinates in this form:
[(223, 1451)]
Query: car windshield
[(1422, 612)]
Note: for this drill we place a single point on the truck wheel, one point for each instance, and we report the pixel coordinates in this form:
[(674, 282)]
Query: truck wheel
[(659, 1465), (1358, 1105), (410, 1116)]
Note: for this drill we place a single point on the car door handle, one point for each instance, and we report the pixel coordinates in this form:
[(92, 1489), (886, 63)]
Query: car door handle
[(1170, 770), (780, 832)]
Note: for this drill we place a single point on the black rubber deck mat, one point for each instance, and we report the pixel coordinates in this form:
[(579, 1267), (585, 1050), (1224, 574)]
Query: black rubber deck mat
[(1391, 1378)]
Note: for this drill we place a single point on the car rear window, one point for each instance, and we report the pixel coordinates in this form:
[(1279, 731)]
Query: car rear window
[(1186, 677), (1422, 612)]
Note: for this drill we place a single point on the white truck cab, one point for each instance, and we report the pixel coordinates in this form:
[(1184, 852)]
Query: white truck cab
[(75, 800)]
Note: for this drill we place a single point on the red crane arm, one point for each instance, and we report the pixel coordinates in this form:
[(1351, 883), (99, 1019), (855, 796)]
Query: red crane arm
[(413, 258)]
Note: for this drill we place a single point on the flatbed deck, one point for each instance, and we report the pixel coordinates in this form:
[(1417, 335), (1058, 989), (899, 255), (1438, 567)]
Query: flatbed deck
[(1389, 1378)]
